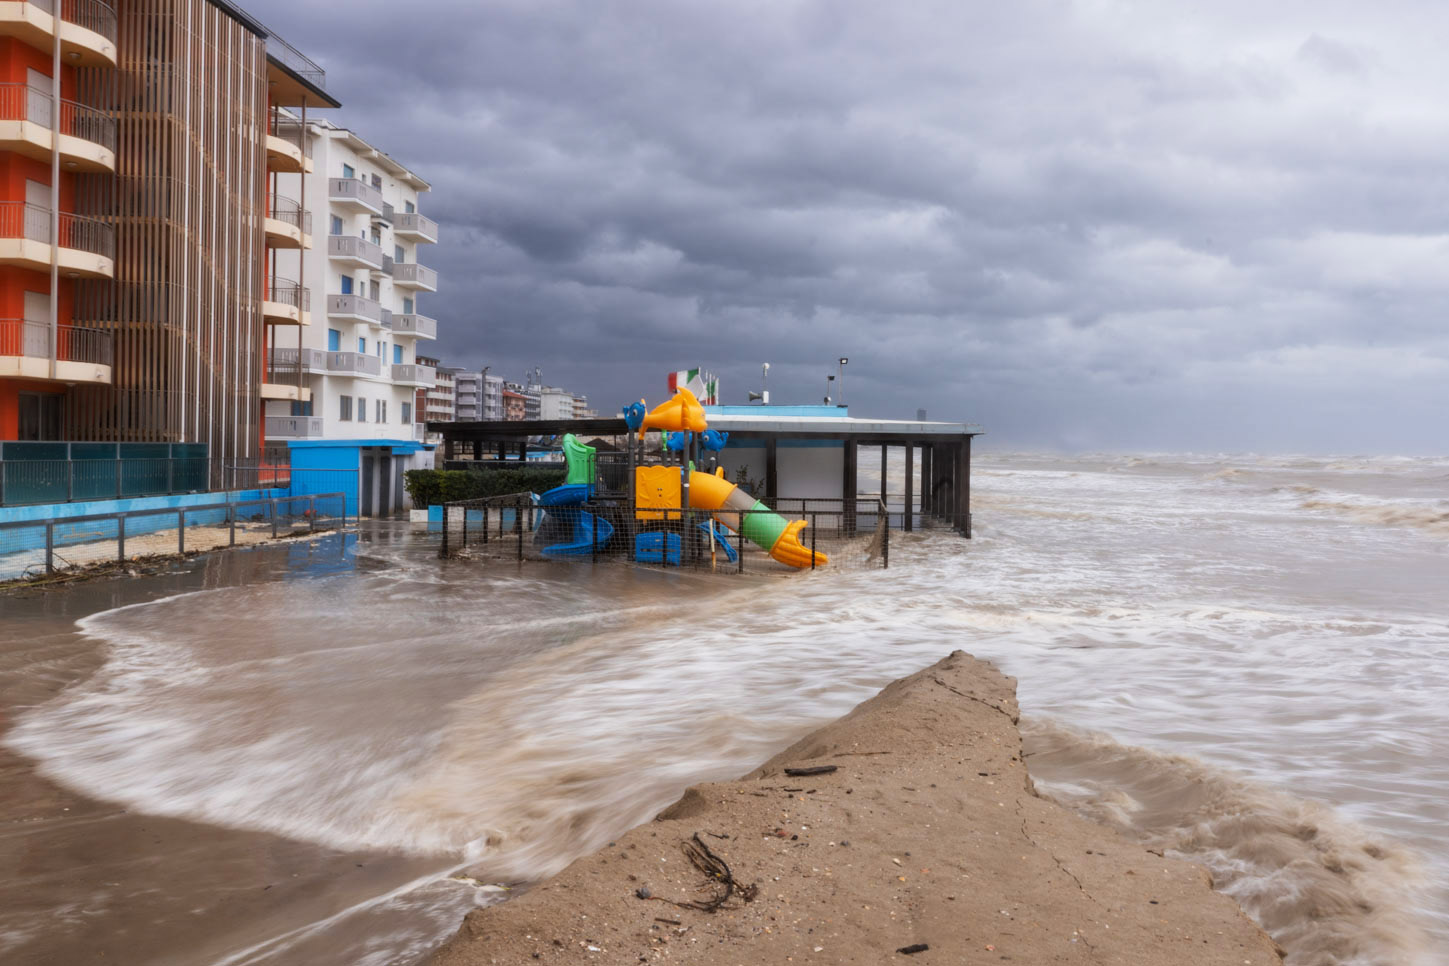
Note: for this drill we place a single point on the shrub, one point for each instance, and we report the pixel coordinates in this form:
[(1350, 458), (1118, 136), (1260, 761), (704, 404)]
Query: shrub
[(431, 487)]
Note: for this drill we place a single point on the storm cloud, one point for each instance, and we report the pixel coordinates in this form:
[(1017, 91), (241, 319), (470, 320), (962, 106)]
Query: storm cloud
[(1104, 224)]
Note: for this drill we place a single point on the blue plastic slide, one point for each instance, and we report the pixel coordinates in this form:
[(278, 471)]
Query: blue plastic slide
[(588, 531), (722, 538)]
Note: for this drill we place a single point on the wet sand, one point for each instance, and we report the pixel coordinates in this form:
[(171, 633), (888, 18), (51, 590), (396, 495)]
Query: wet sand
[(928, 834)]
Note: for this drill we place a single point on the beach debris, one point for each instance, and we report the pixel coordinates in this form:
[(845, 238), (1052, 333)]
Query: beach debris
[(706, 861), (812, 770), (914, 948)]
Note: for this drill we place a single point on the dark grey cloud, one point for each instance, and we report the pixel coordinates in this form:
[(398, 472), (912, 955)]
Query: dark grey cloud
[(1100, 224)]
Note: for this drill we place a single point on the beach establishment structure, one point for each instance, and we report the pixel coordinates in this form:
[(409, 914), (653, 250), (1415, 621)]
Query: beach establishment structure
[(795, 452)]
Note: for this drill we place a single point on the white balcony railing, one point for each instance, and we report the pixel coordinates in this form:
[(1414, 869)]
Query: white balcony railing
[(294, 427), (353, 192), (355, 250), (354, 307), (413, 275), (418, 325), (415, 226), (412, 375), (354, 363)]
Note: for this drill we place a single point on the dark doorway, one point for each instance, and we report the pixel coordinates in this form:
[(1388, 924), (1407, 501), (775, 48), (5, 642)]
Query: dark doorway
[(365, 507), (39, 416)]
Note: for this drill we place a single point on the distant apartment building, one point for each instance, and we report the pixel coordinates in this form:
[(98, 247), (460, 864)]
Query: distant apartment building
[(581, 408), (470, 395), (139, 221), (353, 363), (440, 400), (515, 405)]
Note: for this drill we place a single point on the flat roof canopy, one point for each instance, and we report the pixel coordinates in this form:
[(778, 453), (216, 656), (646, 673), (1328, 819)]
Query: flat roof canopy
[(760, 423)]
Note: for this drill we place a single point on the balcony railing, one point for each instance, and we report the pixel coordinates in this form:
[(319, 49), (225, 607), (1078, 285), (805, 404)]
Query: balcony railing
[(354, 363), (354, 306), (386, 318), (357, 191), (93, 15), (289, 129), (19, 337), (289, 293), (418, 325), (294, 427), (32, 222), (352, 248), (414, 224), (285, 360), (386, 215), (289, 212), (21, 102), (414, 275), (414, 375)]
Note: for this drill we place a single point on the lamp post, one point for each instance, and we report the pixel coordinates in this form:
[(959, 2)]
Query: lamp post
[(829, 381), (843, 362)]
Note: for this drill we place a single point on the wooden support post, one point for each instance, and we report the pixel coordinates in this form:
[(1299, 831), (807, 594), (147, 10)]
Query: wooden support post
[(926, 480), (477, 449), (885, 489), (772, 489), (447, 447), (910, 486), (848, 487), (965, 477)]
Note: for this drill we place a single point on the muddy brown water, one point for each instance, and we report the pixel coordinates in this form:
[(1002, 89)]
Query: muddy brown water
[(283, 755)]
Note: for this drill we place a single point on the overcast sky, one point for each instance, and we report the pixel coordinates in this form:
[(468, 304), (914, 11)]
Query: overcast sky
[(1105, 224)]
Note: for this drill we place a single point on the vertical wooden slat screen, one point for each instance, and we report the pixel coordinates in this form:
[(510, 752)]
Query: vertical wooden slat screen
[(189, 97)]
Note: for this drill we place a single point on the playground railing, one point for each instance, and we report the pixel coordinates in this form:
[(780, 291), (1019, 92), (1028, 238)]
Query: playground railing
[(515, 528)]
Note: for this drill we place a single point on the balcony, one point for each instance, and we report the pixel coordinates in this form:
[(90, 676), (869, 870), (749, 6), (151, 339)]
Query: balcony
[(285, 392), (386, 321), (354, 307), (415, 325), (87, 245), (83, 355), (284, 360), (354, 251), (354, 194), (353, 364), (287, 225), (413, 275), (294, 427), (87, 136), (415, 226), (287, 303), (287, 145), (423, 377), (385, 218), (87, 29)]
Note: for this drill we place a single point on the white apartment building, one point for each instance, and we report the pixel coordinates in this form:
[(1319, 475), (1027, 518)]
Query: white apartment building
[(470, 395), (363, 285), (440, 401)]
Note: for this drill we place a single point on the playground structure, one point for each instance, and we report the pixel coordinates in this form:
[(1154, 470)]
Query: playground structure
[(663, 494)]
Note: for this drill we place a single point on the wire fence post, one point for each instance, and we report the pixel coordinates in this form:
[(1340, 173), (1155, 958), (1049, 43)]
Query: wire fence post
[(740, 542), (885, 539), (231, 525), (274, 517), (813, 530), (50, 548), (120, 539), (180, 531), (594, 537), (465, 528), (519, 513), (443, 550)]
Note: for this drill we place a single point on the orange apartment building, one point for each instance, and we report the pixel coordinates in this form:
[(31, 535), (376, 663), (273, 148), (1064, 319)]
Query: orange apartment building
[(138, 152)]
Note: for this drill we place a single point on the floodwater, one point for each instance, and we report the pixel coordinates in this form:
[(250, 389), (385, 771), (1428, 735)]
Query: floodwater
[(283, 756)]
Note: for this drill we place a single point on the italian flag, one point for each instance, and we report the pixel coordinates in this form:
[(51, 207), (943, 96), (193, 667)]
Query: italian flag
[(703, 384)]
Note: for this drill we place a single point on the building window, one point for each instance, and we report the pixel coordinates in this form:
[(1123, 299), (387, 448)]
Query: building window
[(347, 285), (344, 408), (397, 355), (398, 255), (382, 410), (361, 410), (336, 225), (334, 340), (410, 208), (375, 290), (407, 413), (407, 306), (302, 408), (348, 172), (377, 181), (377, 236), (381, 349), (362, 345)]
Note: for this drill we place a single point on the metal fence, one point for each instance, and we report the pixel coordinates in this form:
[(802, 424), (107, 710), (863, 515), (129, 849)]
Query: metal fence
[(22, 337), (29, 546), (837, 535)]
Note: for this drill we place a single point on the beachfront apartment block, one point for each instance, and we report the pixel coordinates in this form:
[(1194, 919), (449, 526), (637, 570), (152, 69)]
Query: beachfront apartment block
[(360, 278), (139, 147)]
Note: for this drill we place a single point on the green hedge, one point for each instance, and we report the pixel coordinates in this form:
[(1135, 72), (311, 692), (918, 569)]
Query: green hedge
[(433, 487)]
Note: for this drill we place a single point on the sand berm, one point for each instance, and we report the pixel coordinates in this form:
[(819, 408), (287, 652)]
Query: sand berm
[(928, 833)]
